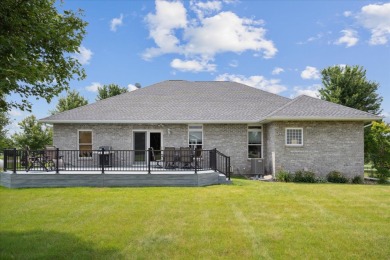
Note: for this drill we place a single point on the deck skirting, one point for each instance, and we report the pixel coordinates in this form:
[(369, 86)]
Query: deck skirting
[(40, 180)]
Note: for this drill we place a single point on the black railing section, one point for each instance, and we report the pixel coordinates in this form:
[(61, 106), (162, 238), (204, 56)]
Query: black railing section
[(116, 160)]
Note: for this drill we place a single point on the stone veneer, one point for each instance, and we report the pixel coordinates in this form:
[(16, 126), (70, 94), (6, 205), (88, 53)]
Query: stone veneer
[(327, 146)]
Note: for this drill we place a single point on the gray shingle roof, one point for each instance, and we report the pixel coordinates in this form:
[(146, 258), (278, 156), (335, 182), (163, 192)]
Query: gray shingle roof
[(201, 102), (309, 108)]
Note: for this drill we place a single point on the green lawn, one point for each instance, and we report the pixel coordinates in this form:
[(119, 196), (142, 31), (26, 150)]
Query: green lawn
[(247, 220)]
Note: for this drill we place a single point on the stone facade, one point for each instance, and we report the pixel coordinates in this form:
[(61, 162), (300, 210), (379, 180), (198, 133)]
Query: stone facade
[(327, 146)]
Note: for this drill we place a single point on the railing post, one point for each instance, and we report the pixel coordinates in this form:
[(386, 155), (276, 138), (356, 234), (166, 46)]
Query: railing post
[(57, 160), (5, 160), (148, 158), (14, 160), (229, 169), (102, 160), (215, 159), (196, 162)]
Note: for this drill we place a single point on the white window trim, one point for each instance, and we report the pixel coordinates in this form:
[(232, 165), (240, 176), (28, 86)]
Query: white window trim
[(78, 143), (285, 136), (262, 140), (188, 134)]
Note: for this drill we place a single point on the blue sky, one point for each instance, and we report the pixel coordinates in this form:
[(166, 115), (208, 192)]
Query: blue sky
[(278, 46)]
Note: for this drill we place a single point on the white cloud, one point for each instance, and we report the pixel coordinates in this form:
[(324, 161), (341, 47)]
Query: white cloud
[(94, 87), (257, 81), (115, 22), (310, 73), (83, 55), (226, 32), (233, 63), (311, 91), (347, 13), (192, 65), (349, 38), (277, 71), (169, 16), (205, 8), (131, 87), (15, 112), (210, 33), (376, 18)]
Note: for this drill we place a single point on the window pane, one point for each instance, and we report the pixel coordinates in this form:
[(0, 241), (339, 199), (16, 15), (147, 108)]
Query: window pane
[(196, 127), (254, 151), (195, 137), (294, 136), (85, 151), (85, 137), (254, 137)]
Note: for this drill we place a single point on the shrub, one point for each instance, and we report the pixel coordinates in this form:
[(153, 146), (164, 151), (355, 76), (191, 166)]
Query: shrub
[(284, 176), (357, 180), (304, 176), (336, 177)]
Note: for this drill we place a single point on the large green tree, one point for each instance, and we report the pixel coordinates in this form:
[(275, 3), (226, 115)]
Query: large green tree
[(110, 90), (379, 148), (349, 86), (36, 47), (34, 134), (72, 100)]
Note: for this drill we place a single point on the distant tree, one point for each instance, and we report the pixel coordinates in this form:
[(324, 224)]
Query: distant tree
[(110, 90), (72, 100), (137, 85), (379, 148), (36, 41), (348, 86), (34, 134), (5, 142)]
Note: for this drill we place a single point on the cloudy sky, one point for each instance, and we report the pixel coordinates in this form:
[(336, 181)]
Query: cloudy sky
[(278, 46)]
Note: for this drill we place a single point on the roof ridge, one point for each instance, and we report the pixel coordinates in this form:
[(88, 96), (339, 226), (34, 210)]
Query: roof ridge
[(284, 106)]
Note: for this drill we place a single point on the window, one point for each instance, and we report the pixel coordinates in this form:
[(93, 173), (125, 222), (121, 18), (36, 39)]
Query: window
[(85, 143), (195, 136), (294, 136), (255, 139)]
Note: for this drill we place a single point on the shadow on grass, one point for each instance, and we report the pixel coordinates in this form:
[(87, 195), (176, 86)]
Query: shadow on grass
[(50, 245)]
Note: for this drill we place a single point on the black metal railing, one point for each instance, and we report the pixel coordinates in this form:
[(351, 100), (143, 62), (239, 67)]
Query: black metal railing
[(116, 160)]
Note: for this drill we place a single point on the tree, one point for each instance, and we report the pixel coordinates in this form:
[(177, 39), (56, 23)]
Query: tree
[(34, 134), (36, 42), (5, 142), (72, 100), (379, 148), (348, 86), (110, 90)]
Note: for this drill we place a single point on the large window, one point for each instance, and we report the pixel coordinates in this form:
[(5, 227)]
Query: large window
[(85, 143), (294, 136), (195, 136), (255, 139)]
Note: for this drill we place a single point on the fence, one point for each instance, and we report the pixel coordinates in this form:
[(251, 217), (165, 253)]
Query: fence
[(116, 160)]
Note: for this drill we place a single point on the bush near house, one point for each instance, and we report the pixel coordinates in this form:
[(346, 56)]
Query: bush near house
[(304, 176), (336, 177)]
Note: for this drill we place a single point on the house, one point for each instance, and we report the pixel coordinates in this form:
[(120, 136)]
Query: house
[(242, 122)]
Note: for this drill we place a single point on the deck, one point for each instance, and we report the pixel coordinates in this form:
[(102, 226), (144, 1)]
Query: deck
[(41, 179)]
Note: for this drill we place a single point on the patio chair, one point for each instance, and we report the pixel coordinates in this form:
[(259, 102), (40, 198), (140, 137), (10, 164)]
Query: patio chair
[(154, 158), (169, 158), (50, 158), (186, 157), (199, 158)]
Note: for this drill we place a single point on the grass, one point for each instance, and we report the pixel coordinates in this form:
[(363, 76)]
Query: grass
[(249, 219)]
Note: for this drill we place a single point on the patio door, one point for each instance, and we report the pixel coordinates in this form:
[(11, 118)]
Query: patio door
[(143, 140)]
